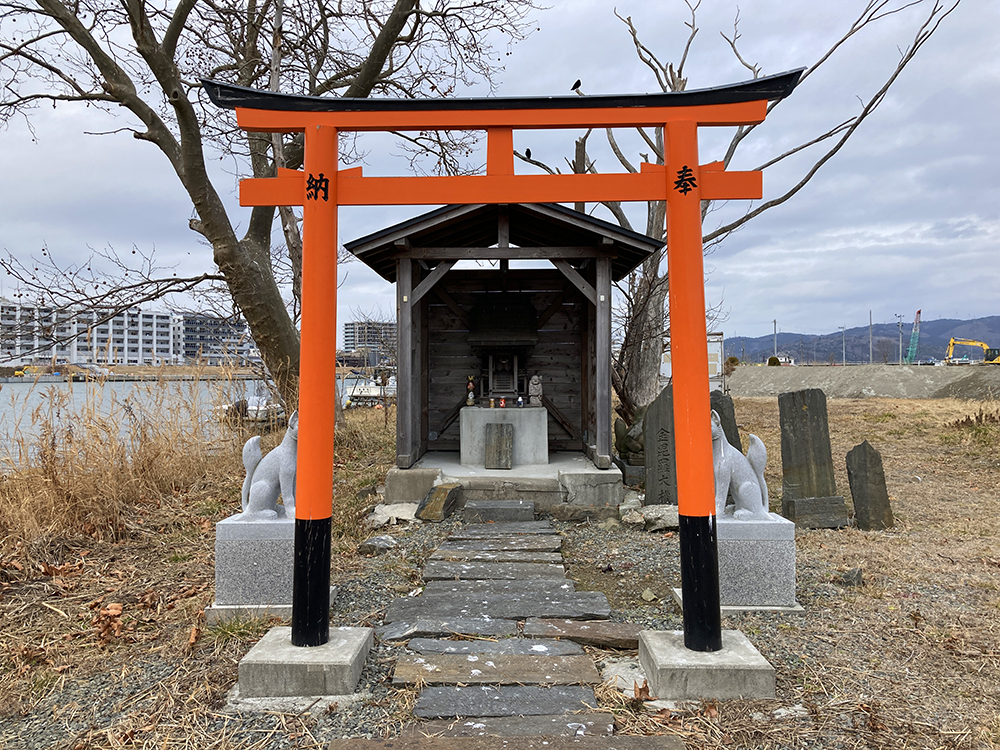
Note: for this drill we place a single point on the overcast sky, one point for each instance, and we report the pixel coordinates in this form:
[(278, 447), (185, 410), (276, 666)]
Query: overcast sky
[(906, 216)]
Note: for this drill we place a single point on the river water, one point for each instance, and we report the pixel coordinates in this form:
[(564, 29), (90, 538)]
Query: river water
[(26, 407)]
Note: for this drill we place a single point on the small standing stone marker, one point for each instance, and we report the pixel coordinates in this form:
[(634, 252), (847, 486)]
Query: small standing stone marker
[(499, 445), (661, 463), (722, 404), (808, 489), (867, 479)]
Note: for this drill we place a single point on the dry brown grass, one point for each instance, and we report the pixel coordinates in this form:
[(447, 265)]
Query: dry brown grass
[(91, 468), (109, 565)]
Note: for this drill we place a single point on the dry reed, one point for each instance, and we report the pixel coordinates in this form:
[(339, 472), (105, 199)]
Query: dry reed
[(88, 466), (78, 466)]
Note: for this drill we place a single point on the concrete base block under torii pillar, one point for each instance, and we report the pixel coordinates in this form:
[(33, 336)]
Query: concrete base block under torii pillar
[(274, 667), (676, 673)]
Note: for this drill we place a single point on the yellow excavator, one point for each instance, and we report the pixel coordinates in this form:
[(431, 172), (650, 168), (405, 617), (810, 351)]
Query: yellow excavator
[(990, 356)]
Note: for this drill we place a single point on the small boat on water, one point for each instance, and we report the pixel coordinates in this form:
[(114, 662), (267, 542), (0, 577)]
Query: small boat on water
[(366, 392), (252, 409)]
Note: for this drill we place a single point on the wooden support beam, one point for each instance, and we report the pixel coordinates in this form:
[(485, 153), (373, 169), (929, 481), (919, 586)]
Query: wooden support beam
[(405, 386), (503, 226), (453, 306), (552, 309), (450, 417), (500, 253), (432, 278), (576, 279), (603, 370), (561, 418)]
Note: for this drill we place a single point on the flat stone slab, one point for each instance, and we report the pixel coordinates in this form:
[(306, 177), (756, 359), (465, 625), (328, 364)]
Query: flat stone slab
[(496, 556), (677, 673), (498, 669), (441, 570), (419, 741), (504, 700), (571, 725), (541, 585), (490, 530), (590, 633), (508, 543), (274, 667), (536, 646), (484, 511), (442, 628), (499, 446), (579, 605)]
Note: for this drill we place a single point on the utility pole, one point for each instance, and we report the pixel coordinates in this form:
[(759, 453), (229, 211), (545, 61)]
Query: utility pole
[(870, 360), (899, 324), (775, 337), (843, 331)]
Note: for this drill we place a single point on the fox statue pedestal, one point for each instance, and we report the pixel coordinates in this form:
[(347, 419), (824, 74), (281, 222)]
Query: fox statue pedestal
[(253, 568), (757, 563)]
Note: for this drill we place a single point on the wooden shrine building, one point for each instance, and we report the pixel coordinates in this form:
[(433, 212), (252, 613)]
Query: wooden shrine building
[(503, 325)]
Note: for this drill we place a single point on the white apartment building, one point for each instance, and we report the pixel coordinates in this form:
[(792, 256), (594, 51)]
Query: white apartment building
[(33, 334), (372, 335)]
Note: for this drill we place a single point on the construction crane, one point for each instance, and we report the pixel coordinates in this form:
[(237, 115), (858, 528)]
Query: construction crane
[(911, 353), (990, 356)]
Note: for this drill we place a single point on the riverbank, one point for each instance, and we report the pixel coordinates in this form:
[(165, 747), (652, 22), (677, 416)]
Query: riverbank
[(127, 373)]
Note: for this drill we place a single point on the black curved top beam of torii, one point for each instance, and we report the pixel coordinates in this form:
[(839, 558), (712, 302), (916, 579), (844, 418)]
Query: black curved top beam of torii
[(229, 96)]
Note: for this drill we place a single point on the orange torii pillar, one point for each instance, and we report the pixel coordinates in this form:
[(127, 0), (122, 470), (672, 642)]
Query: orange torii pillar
[(682, 182)]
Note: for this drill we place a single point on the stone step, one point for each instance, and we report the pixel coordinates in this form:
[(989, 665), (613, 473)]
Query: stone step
[(541, 585), (590, 633), (537, 646), (486, 511), (496, 556), (505, 700), (508, 543), (491, 530), (499, 669), (438, 570), (429, 627), (420, 741), (579, 605), (572, 725)]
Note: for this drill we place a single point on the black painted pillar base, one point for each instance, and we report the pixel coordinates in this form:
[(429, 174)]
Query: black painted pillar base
[(700, 583), (311, 582)]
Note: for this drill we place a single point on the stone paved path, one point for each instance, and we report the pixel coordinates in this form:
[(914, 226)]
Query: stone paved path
[(469, 653)]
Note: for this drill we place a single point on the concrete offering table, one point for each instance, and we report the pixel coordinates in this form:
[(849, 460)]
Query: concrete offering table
[(531, 433)]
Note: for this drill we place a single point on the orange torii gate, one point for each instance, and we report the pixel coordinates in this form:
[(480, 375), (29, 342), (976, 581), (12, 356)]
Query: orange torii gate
[(321, 188)]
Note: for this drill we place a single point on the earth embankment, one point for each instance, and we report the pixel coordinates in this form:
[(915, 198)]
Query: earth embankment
[(976, 382)]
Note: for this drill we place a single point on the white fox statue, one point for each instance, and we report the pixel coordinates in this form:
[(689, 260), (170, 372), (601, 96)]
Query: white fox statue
[(272, 475), (739, 475)]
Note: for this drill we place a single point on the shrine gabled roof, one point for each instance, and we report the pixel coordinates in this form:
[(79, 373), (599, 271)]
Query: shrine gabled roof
[(534, 225)]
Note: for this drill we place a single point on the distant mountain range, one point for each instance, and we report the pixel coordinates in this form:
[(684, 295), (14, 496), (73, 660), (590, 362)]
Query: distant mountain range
[(808, 348)]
